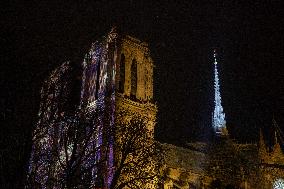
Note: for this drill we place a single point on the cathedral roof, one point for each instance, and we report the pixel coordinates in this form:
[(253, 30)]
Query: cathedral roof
[(183, 158)]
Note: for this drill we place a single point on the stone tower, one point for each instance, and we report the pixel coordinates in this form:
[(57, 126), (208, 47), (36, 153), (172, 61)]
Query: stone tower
[(134, 78), (116, 75), (134, 101)]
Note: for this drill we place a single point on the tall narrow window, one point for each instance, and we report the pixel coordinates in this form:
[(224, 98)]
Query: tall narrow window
[(133, 79), (122, 74)]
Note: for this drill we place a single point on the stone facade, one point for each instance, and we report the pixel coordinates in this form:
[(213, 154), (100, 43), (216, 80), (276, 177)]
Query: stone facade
[(134, 94), (219, 164), (135, 54), (117, 76), (271, 163), (223, 163), (132, 52)]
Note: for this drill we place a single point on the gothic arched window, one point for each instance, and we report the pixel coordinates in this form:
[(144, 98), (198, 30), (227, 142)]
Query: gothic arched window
[(133, 79), (122, 74)]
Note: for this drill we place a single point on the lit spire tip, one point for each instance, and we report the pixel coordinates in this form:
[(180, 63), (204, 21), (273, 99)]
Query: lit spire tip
[(215, 55)]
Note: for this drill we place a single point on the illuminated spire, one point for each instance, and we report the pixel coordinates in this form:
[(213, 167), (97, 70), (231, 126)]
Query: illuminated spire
[(219, 122)]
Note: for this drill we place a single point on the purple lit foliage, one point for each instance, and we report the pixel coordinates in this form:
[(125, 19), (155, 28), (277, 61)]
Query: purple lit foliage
[(75, 149)]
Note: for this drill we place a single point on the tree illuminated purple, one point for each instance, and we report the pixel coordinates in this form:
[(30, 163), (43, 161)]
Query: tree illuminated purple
[(219, 122), (74, 148)]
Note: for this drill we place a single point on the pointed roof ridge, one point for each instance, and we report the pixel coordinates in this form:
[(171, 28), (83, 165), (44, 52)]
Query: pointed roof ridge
[(275, 137), (263, 148), (262, 143), (261, 138), (277, 133), (277, 150)]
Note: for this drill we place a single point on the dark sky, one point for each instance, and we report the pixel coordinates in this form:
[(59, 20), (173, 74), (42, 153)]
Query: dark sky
[(37, 36)]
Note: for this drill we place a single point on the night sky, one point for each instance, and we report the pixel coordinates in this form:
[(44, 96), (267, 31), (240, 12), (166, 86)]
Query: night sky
[(36, 37)]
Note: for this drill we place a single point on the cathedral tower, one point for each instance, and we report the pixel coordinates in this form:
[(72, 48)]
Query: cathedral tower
[(219, 122), (79, 148), (134, 78), (135, 114)]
